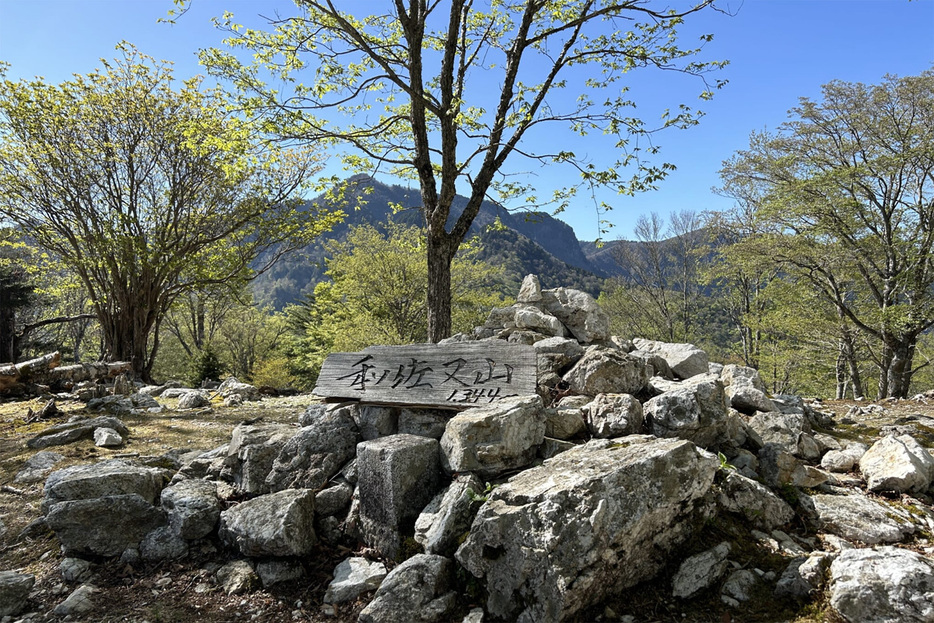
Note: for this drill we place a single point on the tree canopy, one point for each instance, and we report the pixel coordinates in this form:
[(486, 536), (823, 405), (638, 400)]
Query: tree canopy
[(843, 198), (146, 190), (445, 93)]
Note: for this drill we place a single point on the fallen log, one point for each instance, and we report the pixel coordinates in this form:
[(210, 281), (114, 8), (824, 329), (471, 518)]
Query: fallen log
[(45, 370), (27, 371)]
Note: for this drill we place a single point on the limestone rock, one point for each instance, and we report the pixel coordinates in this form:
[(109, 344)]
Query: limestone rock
[(37, 467), (614, 415), (556, 354), (586, 524), (536, 320), (696, 412), (749, 399), (14, 591), (448, 516), (803, 576), (315, 454), (423, 422), (163, 543), (192, 507), (272, 572), (112, 477), (492, 439), (275, 524), (841, 461), (70, 432), (193, 399), (75, 569), (566, 420), (417, 591), (397, 477), (232, 386), (103, 526), (738, 587), (237, 577), (897, 464), (789, 431), (333, 500), (530, 291), (579, 312), (884, 585), (856, 518), (756, 502), (685, 360), (353, 577), (107, 438), (374, 421), (700, 571), (604, 370), (80, 600), (252, 452)]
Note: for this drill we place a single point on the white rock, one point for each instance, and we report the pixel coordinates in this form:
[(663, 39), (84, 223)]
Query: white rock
[(883, 585), (897, 464), (353, 577)]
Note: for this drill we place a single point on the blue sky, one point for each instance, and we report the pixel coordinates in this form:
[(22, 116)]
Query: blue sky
[(779, 50)]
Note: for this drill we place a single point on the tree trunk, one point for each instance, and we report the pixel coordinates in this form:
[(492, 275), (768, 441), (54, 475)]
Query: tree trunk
[(895, 370), (8, 342), (441, 249)]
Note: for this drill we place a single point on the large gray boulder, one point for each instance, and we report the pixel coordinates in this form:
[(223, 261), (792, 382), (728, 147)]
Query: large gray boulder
[(604, 370), (232, 386), (556, 354), (252, 452), (14, 591), (745, 389), (754, 501), (614, 415), (566, 419), (397, 476), (315, 454), (790, 431), (696, 412), (417, 591), (857, 518), (448, 516), (532, 318), (579, 312), (495, 438), (685, 360), (883, 585), (113, 477), (586, 524), (193, 399), (897, 464), (844, 460), (70, 432), (275, 524), (192, 508), (103, 526)]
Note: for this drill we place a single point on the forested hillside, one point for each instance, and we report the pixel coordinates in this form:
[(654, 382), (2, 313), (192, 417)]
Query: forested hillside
[(521, 242)]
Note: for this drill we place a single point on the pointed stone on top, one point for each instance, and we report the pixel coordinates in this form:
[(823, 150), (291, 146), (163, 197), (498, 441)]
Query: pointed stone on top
[(530, 291)]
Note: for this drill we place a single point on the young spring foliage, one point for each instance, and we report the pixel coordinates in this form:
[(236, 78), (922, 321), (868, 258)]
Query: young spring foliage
[(146, 189), (447, 92)]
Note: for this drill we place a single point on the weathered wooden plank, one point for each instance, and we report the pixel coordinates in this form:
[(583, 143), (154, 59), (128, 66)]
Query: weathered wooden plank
[(454, 376)]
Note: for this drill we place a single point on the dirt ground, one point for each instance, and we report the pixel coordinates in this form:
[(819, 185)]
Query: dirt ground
[(184, 591)]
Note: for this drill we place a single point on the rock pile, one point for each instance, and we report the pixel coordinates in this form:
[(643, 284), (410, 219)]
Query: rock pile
[(549, 504)]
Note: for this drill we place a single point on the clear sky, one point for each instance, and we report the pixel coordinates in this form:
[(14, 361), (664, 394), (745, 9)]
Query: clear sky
[(779, 51)]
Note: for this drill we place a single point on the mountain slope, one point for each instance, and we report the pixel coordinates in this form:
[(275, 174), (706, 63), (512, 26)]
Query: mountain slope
[(531, 242)]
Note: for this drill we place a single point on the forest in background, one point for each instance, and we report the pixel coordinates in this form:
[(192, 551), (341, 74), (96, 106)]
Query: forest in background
[(189, 252)]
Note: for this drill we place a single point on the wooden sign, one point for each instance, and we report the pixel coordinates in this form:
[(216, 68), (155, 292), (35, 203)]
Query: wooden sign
[(454, 376)]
